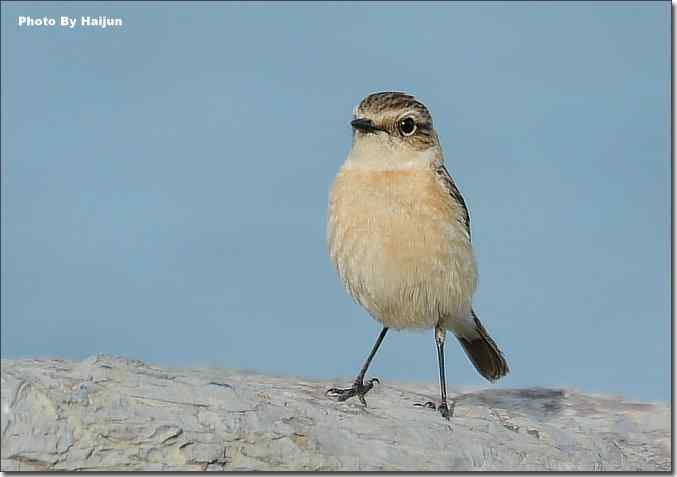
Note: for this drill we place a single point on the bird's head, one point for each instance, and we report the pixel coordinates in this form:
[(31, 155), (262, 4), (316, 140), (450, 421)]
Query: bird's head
[(393, 127)]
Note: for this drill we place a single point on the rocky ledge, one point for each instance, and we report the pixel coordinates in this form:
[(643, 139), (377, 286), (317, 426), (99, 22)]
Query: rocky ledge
[(109, 413)]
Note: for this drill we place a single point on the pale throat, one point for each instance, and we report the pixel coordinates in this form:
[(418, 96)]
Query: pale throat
[(371, 153)]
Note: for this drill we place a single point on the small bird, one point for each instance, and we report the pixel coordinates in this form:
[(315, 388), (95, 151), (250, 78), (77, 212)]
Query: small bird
[(399, 237)]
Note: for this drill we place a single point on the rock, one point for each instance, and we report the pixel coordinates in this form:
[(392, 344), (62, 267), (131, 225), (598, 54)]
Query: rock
[(109, 413)]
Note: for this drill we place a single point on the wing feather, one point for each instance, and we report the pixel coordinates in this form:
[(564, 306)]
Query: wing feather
[(455, 194)]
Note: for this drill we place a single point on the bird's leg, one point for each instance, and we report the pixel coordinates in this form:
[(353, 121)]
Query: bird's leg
[(440, 335), (359, 388)]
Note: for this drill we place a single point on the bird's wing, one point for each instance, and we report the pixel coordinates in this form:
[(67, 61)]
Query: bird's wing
[(456, 196)]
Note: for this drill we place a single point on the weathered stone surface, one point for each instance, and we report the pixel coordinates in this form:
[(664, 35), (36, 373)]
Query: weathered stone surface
[(110, 413)]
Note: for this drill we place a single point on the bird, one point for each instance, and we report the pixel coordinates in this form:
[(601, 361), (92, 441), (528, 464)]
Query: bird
[(398, 234)]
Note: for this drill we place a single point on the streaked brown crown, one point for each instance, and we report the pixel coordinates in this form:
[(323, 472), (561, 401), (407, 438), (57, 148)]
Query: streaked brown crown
[(393, 102), (386, 108)]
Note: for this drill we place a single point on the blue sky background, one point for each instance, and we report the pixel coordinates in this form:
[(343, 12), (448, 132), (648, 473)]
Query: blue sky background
[(164, 185)]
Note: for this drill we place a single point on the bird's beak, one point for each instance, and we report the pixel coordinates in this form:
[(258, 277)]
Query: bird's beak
[(363, 124)]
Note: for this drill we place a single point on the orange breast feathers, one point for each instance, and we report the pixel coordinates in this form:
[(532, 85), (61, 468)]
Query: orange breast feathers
[(399, 210), (394, 234)]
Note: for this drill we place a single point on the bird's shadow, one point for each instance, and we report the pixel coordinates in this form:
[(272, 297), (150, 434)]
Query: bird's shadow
[(540, 403)]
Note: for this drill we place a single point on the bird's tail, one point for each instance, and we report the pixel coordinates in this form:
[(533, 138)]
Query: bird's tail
[(484, 353)]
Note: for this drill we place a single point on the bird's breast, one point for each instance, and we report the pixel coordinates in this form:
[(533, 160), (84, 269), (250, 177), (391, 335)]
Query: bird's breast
[(397, 242)]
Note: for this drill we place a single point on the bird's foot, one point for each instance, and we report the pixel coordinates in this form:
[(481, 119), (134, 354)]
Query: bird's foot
[(359, 389), (443, 408)]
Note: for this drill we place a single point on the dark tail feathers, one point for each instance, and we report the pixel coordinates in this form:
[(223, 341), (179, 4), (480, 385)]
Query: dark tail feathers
[(484, 353)]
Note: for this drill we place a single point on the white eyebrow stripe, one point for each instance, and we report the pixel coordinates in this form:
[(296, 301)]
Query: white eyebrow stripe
[(411, 112)]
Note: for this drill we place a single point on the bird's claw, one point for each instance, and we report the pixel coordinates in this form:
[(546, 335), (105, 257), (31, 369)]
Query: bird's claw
[(443, 408), (359, 389)]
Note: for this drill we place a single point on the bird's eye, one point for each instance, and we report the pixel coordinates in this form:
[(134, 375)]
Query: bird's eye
[(407, 126)]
